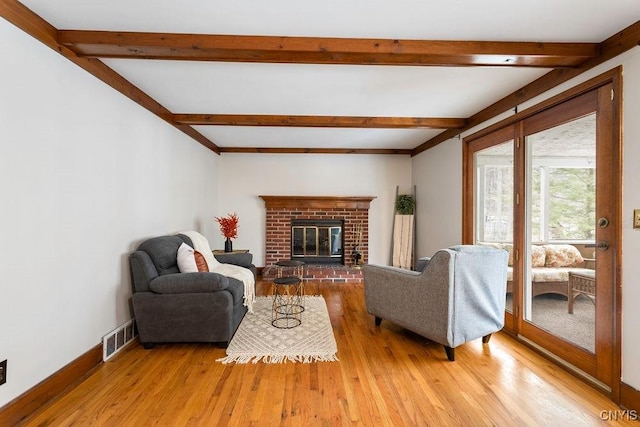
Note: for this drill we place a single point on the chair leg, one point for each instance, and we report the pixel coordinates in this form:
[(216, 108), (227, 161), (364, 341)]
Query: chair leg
[(378, 320), (450, 353), (486, 338)]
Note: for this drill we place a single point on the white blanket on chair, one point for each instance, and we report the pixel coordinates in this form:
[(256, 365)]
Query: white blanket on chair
[(201, 244)]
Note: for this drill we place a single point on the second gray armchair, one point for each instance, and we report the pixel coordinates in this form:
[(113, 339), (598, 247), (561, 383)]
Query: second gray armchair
[(459, 295)]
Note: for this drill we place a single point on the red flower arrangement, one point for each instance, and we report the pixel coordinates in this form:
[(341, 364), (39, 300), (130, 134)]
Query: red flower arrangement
[(229, 225)]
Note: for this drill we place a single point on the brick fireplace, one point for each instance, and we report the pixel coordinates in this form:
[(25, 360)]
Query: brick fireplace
[(351, 212)]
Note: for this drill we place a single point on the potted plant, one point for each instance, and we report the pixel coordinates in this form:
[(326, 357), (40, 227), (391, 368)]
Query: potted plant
[(403, 231), (229, 229), (405, 204)]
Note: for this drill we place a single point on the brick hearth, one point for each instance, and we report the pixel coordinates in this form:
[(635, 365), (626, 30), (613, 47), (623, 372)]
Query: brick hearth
[(281, 210), (322, 273)]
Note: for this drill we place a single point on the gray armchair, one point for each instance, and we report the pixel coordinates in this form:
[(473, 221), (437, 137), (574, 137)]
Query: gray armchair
[(459, 296), (170, 306)]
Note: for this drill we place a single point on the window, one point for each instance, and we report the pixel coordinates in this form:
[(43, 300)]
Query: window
[(564, 205), (563, 183), (497, 193)]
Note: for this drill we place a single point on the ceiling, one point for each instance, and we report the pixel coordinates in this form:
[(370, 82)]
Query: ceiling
[(309, 83)]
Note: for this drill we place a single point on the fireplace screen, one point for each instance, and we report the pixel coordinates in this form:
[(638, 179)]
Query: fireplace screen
[(317, 242)]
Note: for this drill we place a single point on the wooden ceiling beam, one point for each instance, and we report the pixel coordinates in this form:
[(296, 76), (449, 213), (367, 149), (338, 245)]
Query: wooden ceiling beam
[(324, 50), (295, 150), (25, 19), (319, 121), (83, 47), (609, 49)]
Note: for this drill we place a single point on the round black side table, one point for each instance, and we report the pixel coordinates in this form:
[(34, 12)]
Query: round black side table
[(288, 295)]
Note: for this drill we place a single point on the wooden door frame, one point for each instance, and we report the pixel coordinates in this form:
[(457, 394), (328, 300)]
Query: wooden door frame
[(613, 77), (497, 137)]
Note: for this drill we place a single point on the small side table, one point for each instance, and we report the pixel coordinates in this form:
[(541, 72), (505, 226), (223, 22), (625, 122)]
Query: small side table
[(288, 295), (235, 251), (583, 282)]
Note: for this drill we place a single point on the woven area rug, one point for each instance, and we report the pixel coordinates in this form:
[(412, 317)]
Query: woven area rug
[(257, 340)]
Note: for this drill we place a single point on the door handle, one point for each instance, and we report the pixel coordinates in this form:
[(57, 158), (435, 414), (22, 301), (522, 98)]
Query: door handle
[(603, 246)]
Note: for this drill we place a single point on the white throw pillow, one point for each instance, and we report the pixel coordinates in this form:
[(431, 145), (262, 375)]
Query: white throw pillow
[(201, 244), (186, 259)]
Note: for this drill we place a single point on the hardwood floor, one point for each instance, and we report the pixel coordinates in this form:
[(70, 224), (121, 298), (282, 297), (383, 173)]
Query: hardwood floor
[(385, 376)]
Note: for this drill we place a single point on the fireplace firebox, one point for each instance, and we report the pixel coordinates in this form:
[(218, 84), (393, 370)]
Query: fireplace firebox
[(317, 241)]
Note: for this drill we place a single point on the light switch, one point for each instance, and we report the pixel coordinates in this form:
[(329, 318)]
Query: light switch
[(636, 218)]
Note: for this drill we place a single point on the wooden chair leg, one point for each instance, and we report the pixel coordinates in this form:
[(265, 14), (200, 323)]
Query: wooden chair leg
[(486, 338), (450, 353), (378, 320)]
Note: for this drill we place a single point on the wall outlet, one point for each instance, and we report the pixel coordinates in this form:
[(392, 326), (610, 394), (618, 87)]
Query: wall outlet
[(636, 218), (3, 372)]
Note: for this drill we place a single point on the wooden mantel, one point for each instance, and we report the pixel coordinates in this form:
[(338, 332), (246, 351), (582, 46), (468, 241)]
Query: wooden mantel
[(318, 202)]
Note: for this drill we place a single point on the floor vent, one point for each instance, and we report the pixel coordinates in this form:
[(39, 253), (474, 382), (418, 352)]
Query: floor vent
[(117, 339)]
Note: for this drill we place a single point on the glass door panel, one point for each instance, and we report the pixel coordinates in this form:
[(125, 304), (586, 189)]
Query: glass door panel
[(324, 249), (298, 241), (311, 241), (559, 284), (493, 169), (336, 241)]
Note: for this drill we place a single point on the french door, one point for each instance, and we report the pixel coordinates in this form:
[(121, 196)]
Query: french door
[(545, 187)]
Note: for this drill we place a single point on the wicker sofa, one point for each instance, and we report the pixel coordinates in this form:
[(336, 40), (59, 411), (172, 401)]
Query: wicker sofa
[(550, 267)]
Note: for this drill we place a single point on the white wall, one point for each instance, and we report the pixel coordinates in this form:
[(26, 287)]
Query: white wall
[(243, 177), (444, 161), (631, 237), (85, 175), (437, 174)]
